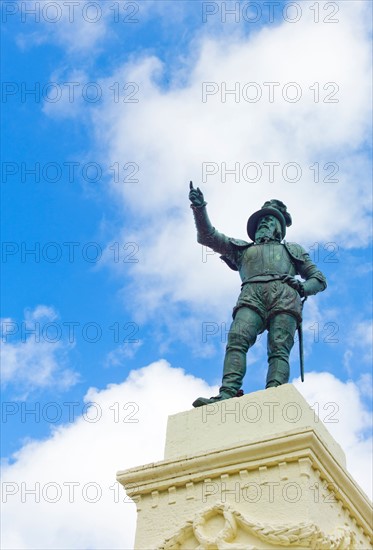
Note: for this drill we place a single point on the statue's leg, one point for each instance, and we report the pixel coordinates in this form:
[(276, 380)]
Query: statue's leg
[(242, 335), (281, 332), (246, 326)]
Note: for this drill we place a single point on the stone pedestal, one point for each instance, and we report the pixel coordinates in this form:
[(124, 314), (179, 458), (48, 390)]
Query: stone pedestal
[(258, 471)]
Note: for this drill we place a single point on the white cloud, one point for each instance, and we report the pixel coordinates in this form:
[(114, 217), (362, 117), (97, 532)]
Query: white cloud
[(70, 93), (38, 358), (359, 345), (127, 350), (130, 431), (363, 334), (84, 28), (365, 384), (170, 132), (78, 27), (340, 406)]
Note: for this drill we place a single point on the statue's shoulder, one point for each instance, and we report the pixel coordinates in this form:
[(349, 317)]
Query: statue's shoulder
[(295, 250), (233, 259), (239, 243)]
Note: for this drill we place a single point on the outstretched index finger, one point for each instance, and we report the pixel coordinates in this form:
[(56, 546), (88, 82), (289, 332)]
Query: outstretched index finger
[(191, 185)]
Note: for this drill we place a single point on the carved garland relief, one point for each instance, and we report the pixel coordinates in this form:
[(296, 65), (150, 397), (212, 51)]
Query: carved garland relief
[(220, 527)]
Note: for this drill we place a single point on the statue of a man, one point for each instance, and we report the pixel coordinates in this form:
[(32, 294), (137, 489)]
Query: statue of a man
[(271, 296)]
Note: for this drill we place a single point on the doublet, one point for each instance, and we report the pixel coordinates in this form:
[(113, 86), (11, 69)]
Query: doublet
[(258, 264)]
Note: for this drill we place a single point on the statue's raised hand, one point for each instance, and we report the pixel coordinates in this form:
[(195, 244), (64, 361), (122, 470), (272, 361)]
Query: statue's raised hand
[(196, 196)]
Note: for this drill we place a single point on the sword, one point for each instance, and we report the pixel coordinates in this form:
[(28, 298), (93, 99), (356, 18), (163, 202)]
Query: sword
[(301, 355), (286, 279)]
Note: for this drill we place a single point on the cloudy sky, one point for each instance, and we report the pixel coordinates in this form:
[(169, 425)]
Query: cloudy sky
[(113, 317)]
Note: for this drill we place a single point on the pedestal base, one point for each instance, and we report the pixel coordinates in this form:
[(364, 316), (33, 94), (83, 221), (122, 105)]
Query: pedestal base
[(258, 471)]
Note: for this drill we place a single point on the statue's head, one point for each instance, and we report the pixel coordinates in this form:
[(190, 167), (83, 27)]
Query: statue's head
[(273, 218), (268, 228)]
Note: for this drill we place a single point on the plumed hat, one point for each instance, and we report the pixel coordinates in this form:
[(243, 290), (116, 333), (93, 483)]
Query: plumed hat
[(274, 208)]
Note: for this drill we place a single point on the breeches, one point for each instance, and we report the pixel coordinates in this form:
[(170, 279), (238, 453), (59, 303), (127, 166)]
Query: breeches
[(246, 326), (269, 299)]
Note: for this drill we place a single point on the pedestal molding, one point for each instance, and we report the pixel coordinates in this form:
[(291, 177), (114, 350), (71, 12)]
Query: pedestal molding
[(294, 446)]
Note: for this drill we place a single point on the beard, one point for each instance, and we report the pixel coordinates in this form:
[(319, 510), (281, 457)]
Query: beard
[(264, 234)]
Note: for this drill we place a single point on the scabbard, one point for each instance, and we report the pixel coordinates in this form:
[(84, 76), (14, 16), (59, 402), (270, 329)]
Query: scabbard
[(301, 357)]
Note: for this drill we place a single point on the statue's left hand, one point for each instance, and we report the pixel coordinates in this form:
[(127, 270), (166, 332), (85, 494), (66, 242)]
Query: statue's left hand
[(294, 283)]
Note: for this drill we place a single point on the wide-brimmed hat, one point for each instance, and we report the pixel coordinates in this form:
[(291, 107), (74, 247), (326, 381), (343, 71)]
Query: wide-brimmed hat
[(274, 208)]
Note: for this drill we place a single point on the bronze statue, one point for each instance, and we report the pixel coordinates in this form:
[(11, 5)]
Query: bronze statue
[(271, 296)]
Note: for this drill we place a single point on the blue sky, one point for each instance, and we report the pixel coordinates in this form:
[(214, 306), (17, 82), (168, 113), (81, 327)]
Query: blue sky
[(118, 282)]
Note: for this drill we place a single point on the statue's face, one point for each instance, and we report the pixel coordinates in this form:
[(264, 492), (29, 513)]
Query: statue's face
[(267, 221), (267, 228)]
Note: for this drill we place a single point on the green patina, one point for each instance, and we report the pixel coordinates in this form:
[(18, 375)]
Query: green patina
[(271, 295)]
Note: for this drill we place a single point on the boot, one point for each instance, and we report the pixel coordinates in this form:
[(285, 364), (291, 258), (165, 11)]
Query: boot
[(201, 401), (242, 335), (273, 384)]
